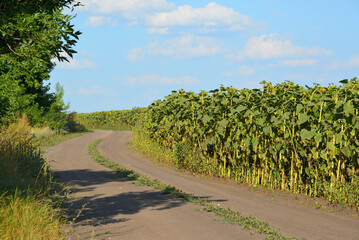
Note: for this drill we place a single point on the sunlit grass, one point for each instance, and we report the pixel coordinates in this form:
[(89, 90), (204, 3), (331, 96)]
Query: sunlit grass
[(26, 216), (29, 199)]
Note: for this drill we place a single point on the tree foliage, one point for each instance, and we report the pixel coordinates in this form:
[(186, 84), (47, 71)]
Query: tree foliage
[(32, 33)]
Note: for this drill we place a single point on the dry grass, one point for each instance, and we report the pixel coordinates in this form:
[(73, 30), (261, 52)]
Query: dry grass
[(27, 217), (26, 207)]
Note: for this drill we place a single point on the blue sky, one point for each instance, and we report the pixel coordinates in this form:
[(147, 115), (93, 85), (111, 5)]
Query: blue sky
[(133, 52)]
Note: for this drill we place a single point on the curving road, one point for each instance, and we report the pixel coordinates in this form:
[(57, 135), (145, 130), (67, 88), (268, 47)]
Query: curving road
[(118, 209)]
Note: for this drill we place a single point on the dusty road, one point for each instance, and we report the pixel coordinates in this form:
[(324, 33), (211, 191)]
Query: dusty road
[(117, 209)]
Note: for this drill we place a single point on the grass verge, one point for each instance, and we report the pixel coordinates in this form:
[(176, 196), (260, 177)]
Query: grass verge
[(54, 139), (229, 216), (30, 201)]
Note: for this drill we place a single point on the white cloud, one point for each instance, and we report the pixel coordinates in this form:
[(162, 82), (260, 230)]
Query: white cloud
[(126, 6), (299, 62), (212, 14), (160, 31), (136, 55), (350, 63), (94, 90), (96, 21), (161, 80), (74, 64), (159, 14), (244, 70), (353, 61), (186, 47), (271, 46)]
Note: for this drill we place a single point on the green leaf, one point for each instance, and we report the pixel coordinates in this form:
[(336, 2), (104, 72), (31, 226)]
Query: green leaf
[(286, 115), (206, 118), (305, 134), (266, 129), (223, 123), (299, 108), (247, 141), (220, 130), (255, 142), (331, 147), (256, 113), (318, 137), (346, 151), (303, 118), (247, 113), (348, 108)]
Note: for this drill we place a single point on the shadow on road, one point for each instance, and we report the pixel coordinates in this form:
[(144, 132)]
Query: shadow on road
[(101, 200), (100, 210), (87, 177)]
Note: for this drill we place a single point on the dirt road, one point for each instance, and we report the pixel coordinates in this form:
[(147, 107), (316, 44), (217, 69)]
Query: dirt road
[(117, 209)]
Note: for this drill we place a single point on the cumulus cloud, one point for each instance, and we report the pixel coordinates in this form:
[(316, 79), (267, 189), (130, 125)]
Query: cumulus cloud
[(186, 47), (91, 91), (212, 14), (160, 31), (161, 80), (299, 62), (353, 61), (136, 55), (74, 64), (244, 70), (125, 6), (96, 21), (159, 14), (350, 63), (271, 46)]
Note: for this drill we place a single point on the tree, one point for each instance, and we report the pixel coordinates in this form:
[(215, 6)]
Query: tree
[(30, 26), (32, 33)]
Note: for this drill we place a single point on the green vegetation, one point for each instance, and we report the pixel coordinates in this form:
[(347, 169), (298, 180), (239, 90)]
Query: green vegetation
[(285, 137), (110, 120), (30, 201), (32, 33), (229, 216), (28, 216), (26, 207), (45, 138)]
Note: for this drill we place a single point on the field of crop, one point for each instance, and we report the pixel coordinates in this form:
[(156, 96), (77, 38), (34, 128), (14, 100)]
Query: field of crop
[(121, 119), (286, 137)]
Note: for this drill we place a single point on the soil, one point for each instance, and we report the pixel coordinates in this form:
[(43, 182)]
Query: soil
[(117, 209)]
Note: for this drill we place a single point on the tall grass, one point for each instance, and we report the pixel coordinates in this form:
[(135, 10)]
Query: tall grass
[(27, 203), (20, 161), (28, 216)]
